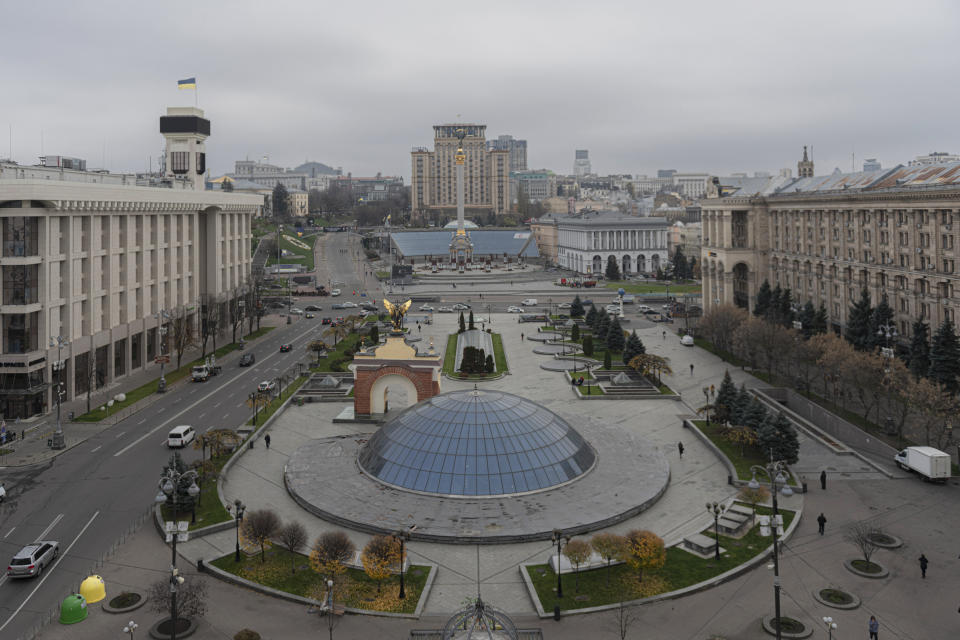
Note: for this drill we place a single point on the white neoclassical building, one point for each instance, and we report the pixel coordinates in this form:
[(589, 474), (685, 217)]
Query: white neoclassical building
[(586, 241), (94, 258)]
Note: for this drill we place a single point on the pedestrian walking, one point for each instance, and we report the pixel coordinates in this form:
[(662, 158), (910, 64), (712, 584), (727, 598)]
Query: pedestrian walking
[(418, 327), (680, 448), (874, 628), (521, 337), (664, 335), (823, 480), (923, 566), (821, 521), (266, 440), (691, 369)]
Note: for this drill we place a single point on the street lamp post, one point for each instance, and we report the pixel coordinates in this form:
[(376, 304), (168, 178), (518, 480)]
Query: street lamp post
[(831, 625), (560, 540), (169, 485), (330, 607), (776, 473), (887, 331), (717, 510), (403, 536), (58, 441), (238, 509), (130, 628), (162, 332)]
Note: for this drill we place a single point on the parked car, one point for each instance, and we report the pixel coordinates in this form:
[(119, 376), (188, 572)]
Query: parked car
[(564, 305), (514, 309), (33, 559), (312, 307), (461, 306), (267, 386), (426, 307), (350, 305), (180, 436), (3, 492), (285, 347), (642, 308), (445, 310), (337, 306), (247, 359), (613, 308), (335, 292)]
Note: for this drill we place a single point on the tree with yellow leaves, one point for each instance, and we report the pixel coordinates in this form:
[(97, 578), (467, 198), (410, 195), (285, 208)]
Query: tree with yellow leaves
[(610, 547), (649, 363), (379, 556), (330, 553), (645, 550), (577, 552)]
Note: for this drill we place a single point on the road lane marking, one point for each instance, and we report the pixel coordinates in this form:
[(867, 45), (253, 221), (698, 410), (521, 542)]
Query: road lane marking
[(52, 525), (8, 533), (239, 378), (141, 422), (47, 573), (97, 449), (120, 435)]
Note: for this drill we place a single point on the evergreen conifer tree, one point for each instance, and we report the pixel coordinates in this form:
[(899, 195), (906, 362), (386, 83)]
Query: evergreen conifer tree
[(858, 322), (591, 316), (773, 309), (740, 406), (882, 316), (607, 361), (613, 269), (463, 325), (755, 415), (945, 358), (778, 436), (633, 348), (588, 345), (762, 304), (576, 308), (920, 349), (785, 314), (603, 327), (575, 333), (807, 317), (472, 326), (726, 398), (681, 270), (820, 320), (615, 341)]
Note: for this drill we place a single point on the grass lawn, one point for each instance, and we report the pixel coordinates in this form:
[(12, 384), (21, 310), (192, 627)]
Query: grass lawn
[(326, 363), (276, 403), (581, 373), (681, 569), (655, 288), (306, 258), (383, 275), (752, 455), (149, 388), (353, 588)]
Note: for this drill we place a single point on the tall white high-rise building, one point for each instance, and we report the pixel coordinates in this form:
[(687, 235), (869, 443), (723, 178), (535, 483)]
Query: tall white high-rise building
[(581, 163)]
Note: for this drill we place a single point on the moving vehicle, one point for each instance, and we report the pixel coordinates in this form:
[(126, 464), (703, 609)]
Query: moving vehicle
[(247, 359), (335, 292), (532, 317), (369, 306), (350, 305), (33, 558), (642, 308), (337, 306), (267, 386), (326, 321), (286, 346), (613, 308), (687, 341), (529, 302), (932, 464), (180, 436), (445, 310), (426, 307), (309, 316), (312, 307), (461, 306), (3, 492), (564, 305), (200, 373), (296, 311), (514, 309), (628, 298)]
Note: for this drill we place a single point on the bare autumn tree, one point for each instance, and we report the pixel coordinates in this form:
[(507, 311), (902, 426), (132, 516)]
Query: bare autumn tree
[(745, 343), (181, 332), (236, 309), (719, 325), (933, 410), (862, 536), (293, 536), (191, 597), (331, 551), (259, 526), (624, 618)]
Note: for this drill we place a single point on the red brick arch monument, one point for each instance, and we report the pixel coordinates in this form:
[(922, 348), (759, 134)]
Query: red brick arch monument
[(394, 363)]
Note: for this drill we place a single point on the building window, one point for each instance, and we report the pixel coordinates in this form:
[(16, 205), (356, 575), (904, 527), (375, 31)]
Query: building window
[(180, 162)]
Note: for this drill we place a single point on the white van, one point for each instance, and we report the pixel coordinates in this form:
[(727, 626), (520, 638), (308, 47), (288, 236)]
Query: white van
[(529, 302), (181, 436)]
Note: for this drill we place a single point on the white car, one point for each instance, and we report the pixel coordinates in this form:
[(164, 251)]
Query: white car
[(350, 305), (426, 307), (267, 386), (564, 305), (612, 308), (296, 311), (514, 309), (461, 306), (335, 292), (687, 341), (642, 308), (445, 309)]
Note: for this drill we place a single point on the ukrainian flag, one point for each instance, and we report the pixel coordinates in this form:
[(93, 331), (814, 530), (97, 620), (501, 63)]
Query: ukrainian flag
[(189, 83)]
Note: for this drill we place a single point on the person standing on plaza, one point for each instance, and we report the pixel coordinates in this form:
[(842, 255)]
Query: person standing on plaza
[(680, 448), (691, 369), (923, 566), (874, 628), (823, 480), (821, 521)]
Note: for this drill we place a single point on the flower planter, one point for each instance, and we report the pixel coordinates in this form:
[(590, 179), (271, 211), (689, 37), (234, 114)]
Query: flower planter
[(161, 629), (836, 598), (791, 628), (856, 567), (119, 604)]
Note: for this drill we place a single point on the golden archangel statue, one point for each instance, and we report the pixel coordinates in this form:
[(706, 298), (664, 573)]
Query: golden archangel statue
[(397, 311)]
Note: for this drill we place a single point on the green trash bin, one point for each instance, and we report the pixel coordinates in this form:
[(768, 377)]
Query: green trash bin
[(300, 401), (73, 609)]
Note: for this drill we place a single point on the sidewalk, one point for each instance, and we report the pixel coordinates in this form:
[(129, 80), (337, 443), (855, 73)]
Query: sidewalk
[(33, 449)]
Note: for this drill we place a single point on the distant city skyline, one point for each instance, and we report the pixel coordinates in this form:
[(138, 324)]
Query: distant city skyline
[(725, 89)]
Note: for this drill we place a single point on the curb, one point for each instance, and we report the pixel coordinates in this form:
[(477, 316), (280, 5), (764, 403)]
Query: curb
[(228, 577)]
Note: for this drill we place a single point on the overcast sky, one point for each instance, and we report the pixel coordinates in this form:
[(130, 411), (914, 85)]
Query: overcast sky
[(694, 86)]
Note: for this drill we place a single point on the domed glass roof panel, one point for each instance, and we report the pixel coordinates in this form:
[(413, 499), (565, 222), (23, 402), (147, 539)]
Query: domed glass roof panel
[(476, 443)]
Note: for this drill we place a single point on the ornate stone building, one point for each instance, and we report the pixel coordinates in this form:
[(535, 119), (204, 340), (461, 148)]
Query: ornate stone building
[(892, 231)]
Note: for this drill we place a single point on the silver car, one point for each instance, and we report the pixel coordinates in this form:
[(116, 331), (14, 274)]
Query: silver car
[(33, 559)]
